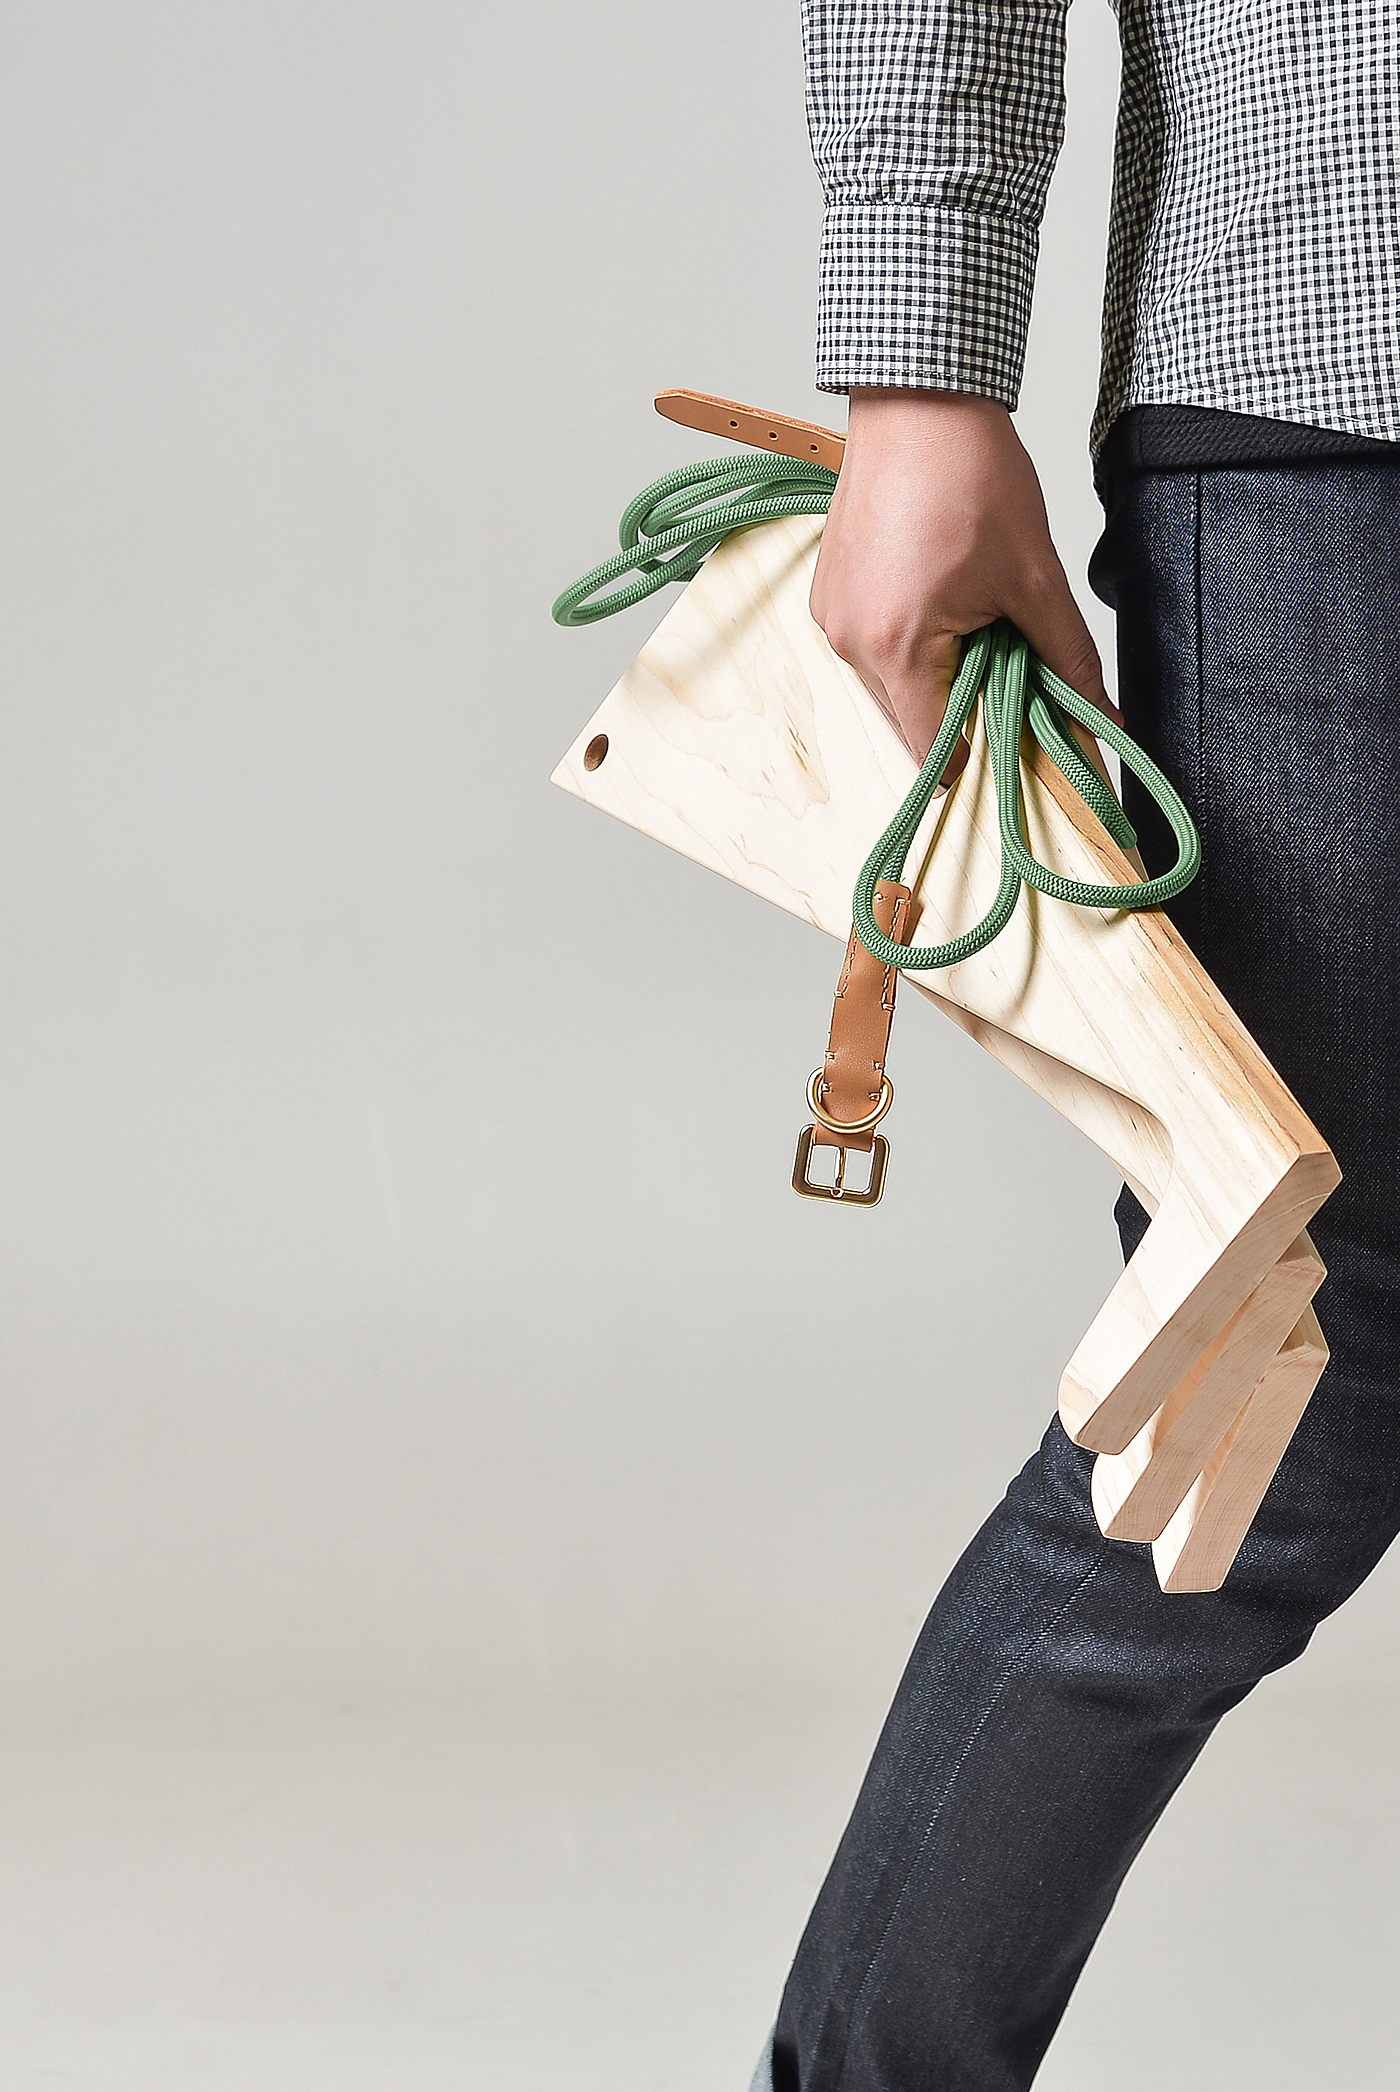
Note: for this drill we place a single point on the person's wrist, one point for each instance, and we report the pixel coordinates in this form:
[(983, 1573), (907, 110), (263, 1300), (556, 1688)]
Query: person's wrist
[(877, 407)]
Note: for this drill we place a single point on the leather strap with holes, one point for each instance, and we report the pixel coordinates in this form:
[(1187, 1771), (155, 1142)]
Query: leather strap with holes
[(853, 1075), (741, 424)]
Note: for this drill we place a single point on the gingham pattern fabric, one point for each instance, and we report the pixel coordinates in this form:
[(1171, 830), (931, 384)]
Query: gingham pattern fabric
[(1254, 246)]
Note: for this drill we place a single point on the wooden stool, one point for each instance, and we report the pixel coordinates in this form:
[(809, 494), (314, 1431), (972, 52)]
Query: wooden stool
[(738, 738)]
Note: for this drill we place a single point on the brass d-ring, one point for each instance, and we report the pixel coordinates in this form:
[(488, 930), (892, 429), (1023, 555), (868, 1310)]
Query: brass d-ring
[(871, 1119)]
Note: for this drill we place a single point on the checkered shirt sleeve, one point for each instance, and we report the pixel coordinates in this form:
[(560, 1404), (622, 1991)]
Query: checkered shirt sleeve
[(1254, 245), (935, 127)]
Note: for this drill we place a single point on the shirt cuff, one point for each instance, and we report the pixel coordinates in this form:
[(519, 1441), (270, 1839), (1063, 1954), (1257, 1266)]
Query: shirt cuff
[(918, 296)]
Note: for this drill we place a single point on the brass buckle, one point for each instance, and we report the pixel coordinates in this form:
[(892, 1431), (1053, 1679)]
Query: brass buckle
[(804, 1187)]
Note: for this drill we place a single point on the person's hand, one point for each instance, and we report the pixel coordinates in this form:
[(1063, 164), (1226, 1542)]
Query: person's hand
[(937, 527)]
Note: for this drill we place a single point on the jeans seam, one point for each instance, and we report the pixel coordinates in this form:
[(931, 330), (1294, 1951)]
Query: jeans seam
[(1017, 1663), (1203, 901)]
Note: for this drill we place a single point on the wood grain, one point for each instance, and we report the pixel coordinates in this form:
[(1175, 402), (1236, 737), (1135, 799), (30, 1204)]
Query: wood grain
[(1136, 1492), (738, 738), (1207, 1532)]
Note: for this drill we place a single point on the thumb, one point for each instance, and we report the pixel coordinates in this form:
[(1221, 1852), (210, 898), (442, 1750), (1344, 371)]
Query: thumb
[(915, 695)]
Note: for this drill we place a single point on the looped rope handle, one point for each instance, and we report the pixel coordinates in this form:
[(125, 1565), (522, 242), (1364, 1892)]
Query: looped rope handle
[(686, 514), (673, 526), (1018, 690)]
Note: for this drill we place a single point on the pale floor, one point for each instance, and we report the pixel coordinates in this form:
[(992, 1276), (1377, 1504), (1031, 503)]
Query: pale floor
[(556, 1898)]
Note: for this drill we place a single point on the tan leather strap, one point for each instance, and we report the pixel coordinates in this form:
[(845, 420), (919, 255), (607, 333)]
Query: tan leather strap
[(852, 1079), (751, 425)]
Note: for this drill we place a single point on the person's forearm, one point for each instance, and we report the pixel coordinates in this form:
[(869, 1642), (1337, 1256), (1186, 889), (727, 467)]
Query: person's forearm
[(935, 126)]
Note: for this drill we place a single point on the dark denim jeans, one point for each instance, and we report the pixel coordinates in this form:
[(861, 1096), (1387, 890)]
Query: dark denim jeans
[(1056, 1699)]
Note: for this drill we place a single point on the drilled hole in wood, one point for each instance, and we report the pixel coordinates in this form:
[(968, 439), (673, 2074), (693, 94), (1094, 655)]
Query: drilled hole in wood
[(734, 424), (594, 753)]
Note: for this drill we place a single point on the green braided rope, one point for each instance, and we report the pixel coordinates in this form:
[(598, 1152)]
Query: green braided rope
[(1018, 691), (673, 526), (686, 514)]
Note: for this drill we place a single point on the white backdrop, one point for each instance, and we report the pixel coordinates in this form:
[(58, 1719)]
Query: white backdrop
[(402, 1284), (459, 1518)]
